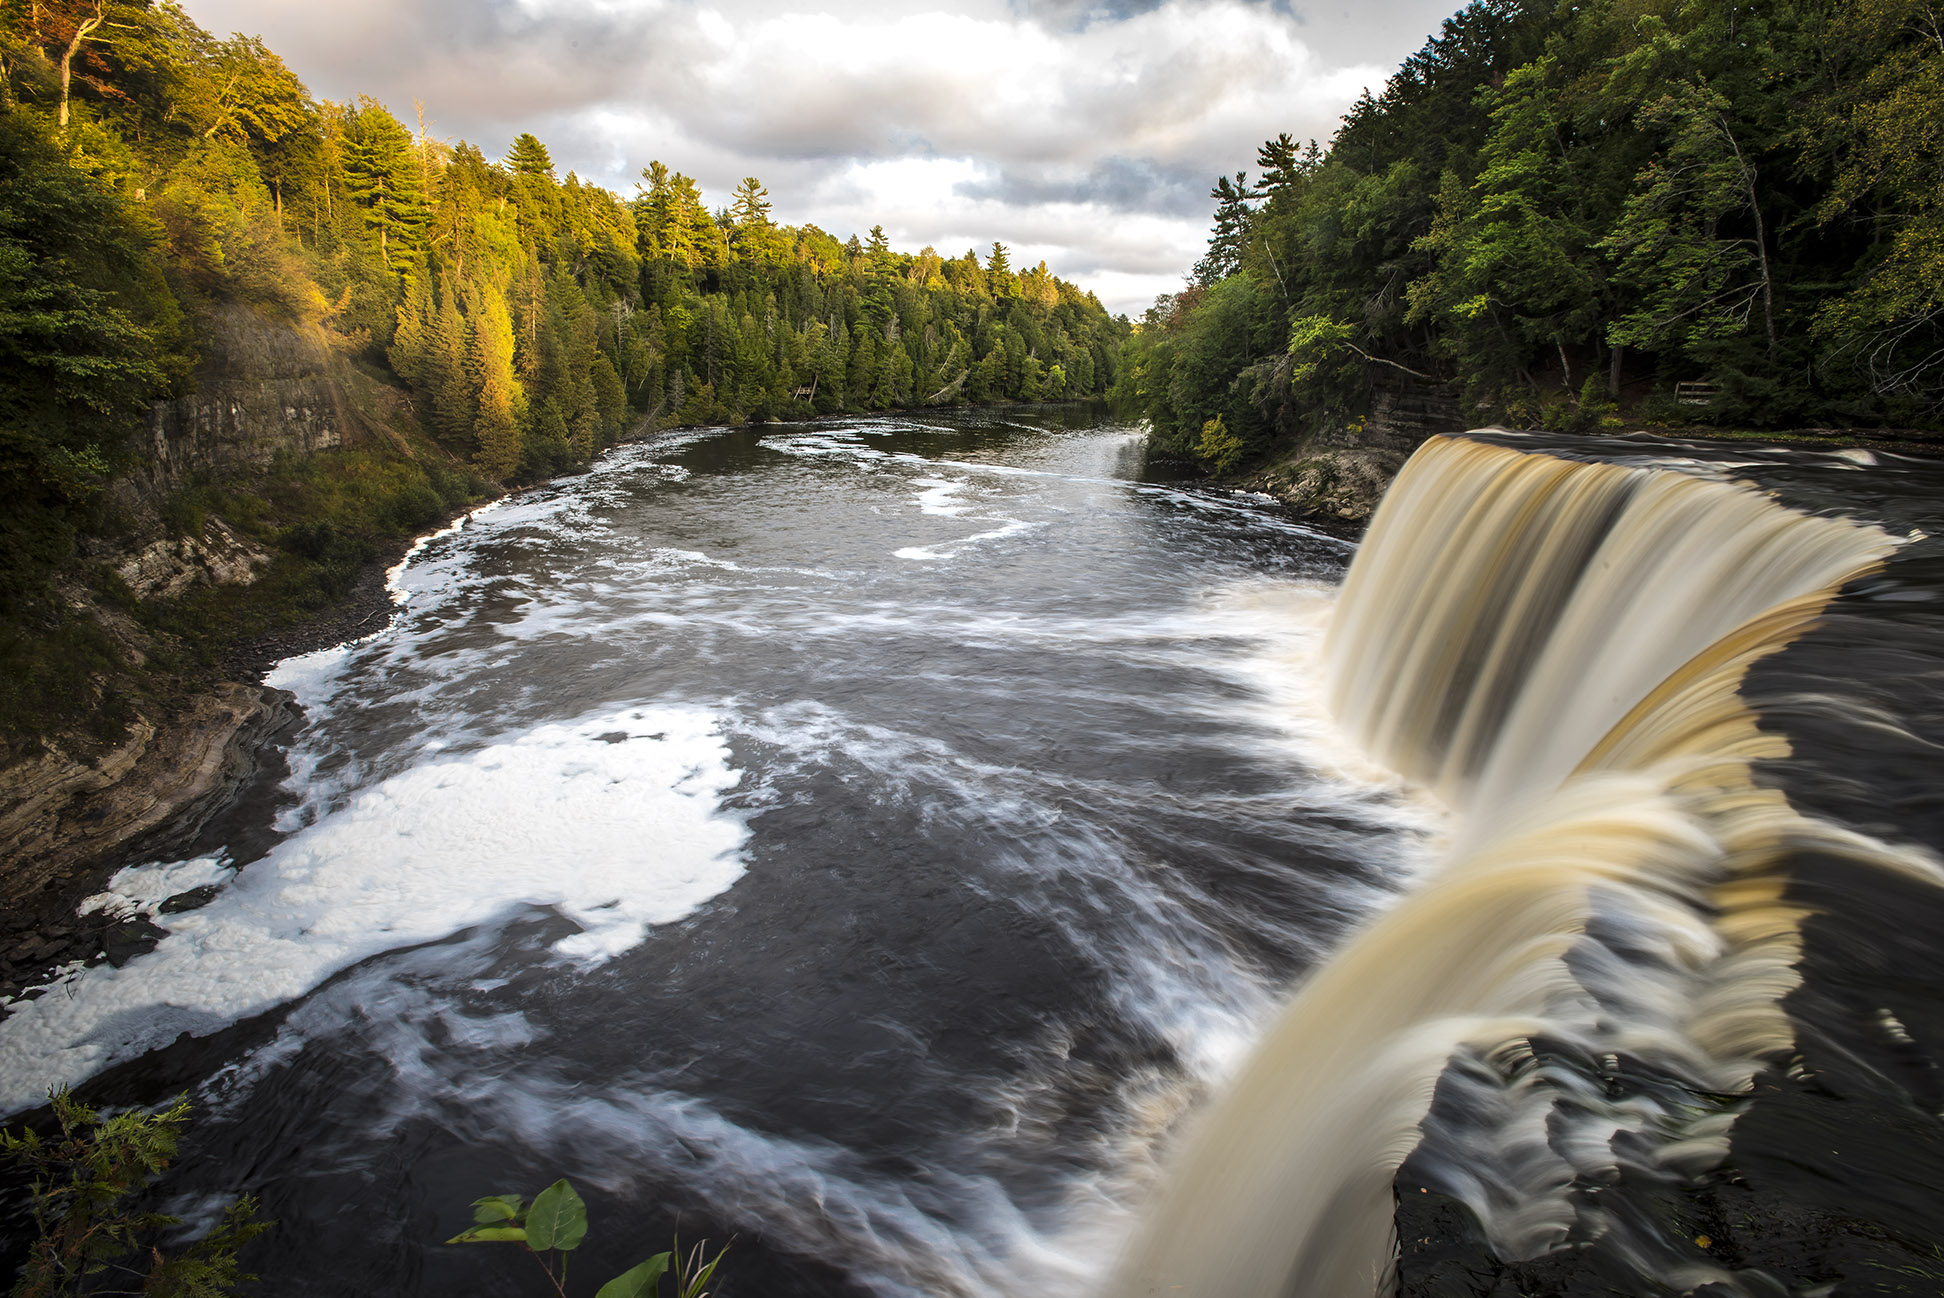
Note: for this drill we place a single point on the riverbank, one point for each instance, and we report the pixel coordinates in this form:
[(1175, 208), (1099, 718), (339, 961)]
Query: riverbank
[(1338, 487), (80, 817), (80, 809)]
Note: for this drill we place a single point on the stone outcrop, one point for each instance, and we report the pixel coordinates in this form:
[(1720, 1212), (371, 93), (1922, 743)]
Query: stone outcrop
[(67, 815), (73, 808), (263, 388), (1337, 477), (170, 567)]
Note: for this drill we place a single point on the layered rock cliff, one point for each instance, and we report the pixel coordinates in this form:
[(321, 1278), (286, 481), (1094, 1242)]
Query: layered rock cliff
[(74, 806)]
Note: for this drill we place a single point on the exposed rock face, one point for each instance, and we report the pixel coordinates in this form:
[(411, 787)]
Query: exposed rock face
[(63, 815), (1333, 484), (1338, 477), (263, 387), (167, 568)]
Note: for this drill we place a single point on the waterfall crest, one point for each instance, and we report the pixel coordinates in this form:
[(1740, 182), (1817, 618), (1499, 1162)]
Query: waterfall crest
[(1556, 647)]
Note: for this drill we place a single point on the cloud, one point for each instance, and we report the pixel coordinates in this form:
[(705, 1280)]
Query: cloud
[(1091, 129), (1117, 183)]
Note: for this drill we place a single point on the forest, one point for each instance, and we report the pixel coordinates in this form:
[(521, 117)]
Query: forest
[(1679, 211), (152, 174)]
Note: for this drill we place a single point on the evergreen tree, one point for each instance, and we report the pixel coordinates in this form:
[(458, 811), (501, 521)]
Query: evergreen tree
[(381, 175), (1231, 234), (529, 157), (450, 387)]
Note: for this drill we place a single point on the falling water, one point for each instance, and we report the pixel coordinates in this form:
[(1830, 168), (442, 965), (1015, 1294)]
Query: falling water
[(1556, 648)]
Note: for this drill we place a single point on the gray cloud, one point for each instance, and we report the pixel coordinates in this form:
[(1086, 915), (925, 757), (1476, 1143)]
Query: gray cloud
[(1073, 14), (1119, 184), (1342, 31), (1087, 131)]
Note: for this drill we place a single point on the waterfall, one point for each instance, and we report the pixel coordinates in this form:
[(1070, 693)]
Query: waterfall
[(1556, 647)]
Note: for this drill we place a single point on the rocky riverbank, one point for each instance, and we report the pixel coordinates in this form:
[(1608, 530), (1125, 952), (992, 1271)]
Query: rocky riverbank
[(73, 814), (1337, 483)]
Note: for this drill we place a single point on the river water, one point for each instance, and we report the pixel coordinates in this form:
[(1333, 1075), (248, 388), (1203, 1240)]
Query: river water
[(863, 838)]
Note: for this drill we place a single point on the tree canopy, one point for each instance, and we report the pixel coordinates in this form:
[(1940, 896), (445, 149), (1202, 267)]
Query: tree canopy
[(1557, 209), (534, 318)]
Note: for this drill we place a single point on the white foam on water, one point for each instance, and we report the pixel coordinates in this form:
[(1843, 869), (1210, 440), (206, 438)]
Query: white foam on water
[(1244, 505), (822, 444), (629, 834), (139, 889), (951, 549), (940, 496), (996, 470), (950, 1234), (399, 590)]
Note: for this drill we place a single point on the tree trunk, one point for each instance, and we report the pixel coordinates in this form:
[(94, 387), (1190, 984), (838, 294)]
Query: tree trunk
[(1761, 237), (67, 60), (1613, 372)]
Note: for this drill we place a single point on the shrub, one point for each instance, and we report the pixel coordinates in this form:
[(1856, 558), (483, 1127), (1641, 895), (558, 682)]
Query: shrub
[(86, 1214)]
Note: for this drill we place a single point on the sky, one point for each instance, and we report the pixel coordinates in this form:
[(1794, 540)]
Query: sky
[(1085, 134)]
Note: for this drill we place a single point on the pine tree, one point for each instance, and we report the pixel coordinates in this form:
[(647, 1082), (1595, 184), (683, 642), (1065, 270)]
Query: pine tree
[(1232, 214), (381, 174), (411, 353), (499, 434), (751, 205), (451, 388), (529, 157)]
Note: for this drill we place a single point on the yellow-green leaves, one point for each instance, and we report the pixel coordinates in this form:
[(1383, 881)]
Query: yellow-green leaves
[(555, 1224), (496, 1220)]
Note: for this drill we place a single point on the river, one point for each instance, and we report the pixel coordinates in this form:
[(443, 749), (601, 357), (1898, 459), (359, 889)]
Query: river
[(862, 838), (942, 855)]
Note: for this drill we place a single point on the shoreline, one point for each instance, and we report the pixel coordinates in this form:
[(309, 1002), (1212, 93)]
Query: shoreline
[(220, 737), (42, 933), (224, 735), (226, 728)]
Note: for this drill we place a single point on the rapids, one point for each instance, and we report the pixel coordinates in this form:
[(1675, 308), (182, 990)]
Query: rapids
[(862, 838), (954, 859)]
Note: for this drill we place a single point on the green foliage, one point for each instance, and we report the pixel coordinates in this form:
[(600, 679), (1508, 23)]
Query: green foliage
[(1882, 127), (1231, 237), (1567, 210), (54, 666), (382, 176), (529, 157), (89, 334), (84, 1203), (246, 95), (555, 1224), (1222, 449)]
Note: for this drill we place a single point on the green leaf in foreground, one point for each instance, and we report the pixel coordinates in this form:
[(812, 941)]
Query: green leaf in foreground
[(637, 1281), (490, 1235), (497, 1207), (557, 1219)]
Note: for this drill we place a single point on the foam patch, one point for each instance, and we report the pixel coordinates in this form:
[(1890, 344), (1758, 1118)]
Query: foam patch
[(629, 834)]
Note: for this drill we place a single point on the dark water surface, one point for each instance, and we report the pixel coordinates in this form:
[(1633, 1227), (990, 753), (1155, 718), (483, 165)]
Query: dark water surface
[(860, 837)]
